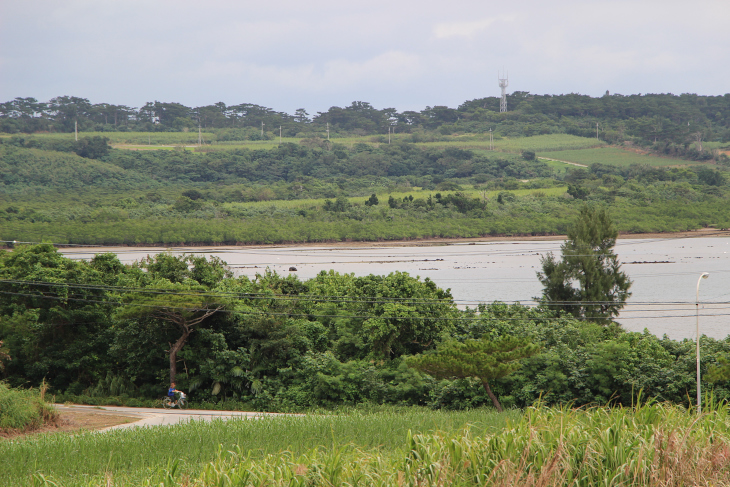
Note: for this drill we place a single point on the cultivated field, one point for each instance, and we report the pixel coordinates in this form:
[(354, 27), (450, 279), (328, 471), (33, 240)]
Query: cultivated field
[(651, 444), (138, 138), (168, 140), (132, 457), (612, 156)]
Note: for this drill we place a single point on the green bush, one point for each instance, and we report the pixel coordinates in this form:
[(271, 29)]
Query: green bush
[(24, 409)]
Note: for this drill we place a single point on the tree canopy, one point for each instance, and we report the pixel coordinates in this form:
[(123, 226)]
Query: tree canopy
[(652, 118), (588, 260), (484, 359)]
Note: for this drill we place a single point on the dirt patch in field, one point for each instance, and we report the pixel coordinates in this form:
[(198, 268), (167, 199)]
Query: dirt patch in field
[(74, 421)]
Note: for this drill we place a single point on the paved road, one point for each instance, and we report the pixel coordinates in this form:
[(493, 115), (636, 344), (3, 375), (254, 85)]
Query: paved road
[(156, 417)]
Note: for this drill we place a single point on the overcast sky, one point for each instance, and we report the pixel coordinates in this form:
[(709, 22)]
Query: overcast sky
[(320, 53)]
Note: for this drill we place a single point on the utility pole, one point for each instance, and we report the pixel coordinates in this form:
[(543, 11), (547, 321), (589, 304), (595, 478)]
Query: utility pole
[(200, 136), (279, 134), (491, 140), (597, 131), (76, 130), (262, 129), (328, 131), (388, 135)]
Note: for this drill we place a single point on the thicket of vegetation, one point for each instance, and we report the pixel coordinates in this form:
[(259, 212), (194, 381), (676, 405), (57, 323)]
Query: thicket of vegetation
[(101, 328), (23, 410), (297, 193)]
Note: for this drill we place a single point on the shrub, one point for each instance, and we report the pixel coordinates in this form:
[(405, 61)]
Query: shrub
[(24, 409)]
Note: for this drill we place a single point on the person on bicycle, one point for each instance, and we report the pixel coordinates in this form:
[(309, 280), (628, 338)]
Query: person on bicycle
[(171, 394)]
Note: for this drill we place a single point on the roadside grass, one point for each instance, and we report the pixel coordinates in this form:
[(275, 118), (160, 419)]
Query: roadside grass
[(612, 156), (650, 444), (132, 456), (24, 409)]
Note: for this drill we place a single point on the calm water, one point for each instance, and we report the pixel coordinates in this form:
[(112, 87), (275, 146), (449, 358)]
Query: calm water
[(664, 271)]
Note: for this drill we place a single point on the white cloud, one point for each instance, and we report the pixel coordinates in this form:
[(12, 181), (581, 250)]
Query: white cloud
[(338, 74), (466, 28)]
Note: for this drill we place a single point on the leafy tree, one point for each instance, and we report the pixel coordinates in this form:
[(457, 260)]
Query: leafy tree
[(718, 372), (528, 155), (711, 177), (4, 356), (589, 260), (577, 191), (484, 359), (185, 204), (372, 201), (179, 296), (339, 205), (53, 316), (94, 147), (193, 194), (182, 305)]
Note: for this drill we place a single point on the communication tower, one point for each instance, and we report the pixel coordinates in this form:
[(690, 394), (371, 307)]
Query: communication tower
[(503, 83)]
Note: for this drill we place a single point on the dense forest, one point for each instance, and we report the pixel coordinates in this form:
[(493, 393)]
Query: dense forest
[(646, 119), (101, 329)]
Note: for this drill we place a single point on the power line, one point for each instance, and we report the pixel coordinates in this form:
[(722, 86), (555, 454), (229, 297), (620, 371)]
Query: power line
[(362, 317), (324, 298)]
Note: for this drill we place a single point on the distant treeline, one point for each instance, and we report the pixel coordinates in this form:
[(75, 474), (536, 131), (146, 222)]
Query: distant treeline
[(23, 162), (650, 118)]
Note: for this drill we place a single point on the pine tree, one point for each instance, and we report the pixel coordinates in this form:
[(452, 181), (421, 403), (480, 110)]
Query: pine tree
[(588, 260), (484, 359)]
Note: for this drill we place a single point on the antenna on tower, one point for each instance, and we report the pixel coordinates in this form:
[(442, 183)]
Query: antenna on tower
[(503, 83)]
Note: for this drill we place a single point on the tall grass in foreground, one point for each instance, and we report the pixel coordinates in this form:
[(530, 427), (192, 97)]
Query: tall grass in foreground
[(652, 444), (132, 457)]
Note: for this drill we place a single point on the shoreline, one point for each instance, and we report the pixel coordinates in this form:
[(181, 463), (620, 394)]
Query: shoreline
[(423, 242)]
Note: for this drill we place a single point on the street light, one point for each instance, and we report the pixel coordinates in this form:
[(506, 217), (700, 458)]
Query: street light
[(704, 275)]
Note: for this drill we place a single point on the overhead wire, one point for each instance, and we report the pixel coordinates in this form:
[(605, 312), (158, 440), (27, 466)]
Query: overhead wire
[(363, 317), (314, 297)]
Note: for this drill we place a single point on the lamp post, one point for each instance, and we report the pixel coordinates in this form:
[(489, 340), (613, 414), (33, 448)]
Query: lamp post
[(704, 275)]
